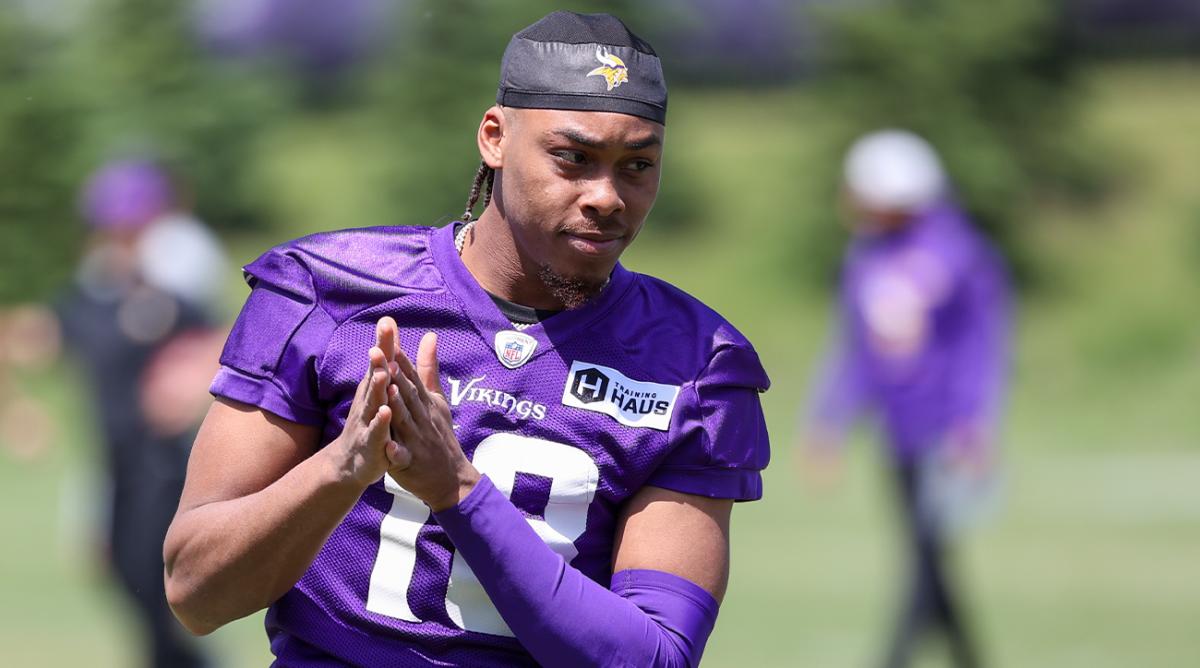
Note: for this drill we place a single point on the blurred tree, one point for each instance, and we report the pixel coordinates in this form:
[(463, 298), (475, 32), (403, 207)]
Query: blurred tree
[(150, 89), (991, 85), (39, 164)]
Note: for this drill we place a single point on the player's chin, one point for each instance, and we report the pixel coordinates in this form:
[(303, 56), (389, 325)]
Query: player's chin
[(586, 269), (573, 287)]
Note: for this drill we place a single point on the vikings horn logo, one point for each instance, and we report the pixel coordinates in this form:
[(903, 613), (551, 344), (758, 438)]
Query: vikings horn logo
[(613, 70)]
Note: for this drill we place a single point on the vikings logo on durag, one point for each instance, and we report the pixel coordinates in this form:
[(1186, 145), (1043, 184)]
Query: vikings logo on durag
[(613, 70)]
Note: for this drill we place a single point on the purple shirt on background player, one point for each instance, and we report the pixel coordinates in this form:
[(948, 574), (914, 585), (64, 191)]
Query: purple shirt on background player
[(641, 386), (923, 340)]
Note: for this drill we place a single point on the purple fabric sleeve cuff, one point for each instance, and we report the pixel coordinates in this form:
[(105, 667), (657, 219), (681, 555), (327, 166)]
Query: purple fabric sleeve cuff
[(262, 392), (677, 604), (736, 484), (564, 618)]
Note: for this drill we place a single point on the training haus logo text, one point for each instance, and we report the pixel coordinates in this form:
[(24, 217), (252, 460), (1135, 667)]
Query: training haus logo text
[(633, 403)]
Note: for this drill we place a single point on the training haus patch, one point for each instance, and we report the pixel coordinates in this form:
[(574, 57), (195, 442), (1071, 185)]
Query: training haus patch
[(633, 403)]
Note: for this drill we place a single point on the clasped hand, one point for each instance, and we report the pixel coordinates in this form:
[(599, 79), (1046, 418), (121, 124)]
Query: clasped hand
[(400, 424)]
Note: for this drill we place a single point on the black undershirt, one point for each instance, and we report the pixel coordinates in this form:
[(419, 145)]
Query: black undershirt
[(520, 314)]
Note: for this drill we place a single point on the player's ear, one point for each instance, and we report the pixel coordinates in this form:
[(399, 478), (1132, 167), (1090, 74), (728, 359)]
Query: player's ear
[(492, 130)]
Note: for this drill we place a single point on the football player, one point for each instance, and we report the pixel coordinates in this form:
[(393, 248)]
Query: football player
[(489, 443), (922, 341)]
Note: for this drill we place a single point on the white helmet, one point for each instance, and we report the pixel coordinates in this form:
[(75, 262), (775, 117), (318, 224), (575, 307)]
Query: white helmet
[(894, 170)]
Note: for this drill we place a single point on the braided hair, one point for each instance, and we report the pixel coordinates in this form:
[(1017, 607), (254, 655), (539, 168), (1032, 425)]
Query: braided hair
[(485, 177)]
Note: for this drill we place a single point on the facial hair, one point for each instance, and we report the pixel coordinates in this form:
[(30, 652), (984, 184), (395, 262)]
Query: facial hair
[(571, 292)]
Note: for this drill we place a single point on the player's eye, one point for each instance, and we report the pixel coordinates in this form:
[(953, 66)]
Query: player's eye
[(639, 165), (571, 157)]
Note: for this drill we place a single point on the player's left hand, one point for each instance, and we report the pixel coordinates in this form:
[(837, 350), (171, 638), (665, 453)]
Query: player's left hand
[(818, 460), (431, 465), (967, 451)]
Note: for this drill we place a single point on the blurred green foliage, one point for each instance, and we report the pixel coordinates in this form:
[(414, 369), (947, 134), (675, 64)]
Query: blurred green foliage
[(992, 85), (261, 148), (148, 88), (40, 130), (124, 78), (257, 146)]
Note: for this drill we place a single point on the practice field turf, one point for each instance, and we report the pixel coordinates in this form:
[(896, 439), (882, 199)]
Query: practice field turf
[(1093, 561)]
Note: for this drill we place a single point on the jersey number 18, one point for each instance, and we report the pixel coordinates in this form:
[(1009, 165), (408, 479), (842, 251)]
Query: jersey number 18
[(395, 578)]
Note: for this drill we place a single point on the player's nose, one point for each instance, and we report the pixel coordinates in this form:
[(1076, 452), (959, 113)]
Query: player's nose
[(601, 198)]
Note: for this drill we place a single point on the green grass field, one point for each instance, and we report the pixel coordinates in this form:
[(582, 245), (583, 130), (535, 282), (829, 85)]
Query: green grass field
[(1093, 561)]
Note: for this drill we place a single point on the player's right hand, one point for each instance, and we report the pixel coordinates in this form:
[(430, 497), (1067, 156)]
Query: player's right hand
[(365, 450)]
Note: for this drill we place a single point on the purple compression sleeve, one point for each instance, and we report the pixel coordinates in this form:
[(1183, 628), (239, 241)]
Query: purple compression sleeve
[(562, 617)]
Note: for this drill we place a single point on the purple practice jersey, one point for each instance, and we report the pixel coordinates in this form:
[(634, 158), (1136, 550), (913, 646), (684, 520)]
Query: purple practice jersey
[(641, 386), (923, 335)]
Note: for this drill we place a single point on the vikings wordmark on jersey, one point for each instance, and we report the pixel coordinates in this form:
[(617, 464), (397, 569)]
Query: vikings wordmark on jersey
[(643, 385)]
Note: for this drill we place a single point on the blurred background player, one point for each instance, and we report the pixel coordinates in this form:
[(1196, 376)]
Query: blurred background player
[(140, 322), (922, 342)]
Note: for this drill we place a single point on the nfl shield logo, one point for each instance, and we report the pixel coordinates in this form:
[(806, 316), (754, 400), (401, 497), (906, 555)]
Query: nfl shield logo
[(514, 348)]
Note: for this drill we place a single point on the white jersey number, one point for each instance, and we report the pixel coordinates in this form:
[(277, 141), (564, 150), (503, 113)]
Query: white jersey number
[(574, 478)]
